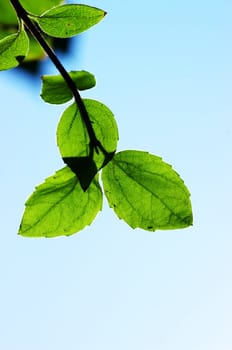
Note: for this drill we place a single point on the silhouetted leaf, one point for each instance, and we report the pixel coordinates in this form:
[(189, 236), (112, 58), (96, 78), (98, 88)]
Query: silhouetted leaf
[(84, 168)]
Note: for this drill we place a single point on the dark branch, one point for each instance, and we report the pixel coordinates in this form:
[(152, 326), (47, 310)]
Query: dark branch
[(23, 15)]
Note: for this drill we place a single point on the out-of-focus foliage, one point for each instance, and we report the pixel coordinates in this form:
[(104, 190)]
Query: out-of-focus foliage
[(9, 25), (13, 49), (7, 13)]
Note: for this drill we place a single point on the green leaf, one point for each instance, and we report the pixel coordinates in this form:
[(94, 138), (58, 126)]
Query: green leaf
[(72, 136), (73, 139), (40, 6), (56, 91), (7, 13), (68, 20), (13, 50), (59, 206), (9, 25), (146, 192), (36, 52)]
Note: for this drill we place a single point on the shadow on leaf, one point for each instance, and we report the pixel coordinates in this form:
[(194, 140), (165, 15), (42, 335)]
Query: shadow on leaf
[(84, 168)]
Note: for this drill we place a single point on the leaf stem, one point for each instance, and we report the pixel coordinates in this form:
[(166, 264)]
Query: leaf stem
[(23, 15)]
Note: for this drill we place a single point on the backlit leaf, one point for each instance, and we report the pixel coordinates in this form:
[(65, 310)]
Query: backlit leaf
[(8, 15), (60, 207), (40, 6), (146, 192), (73, 139), (13, 50), (68, 20), (56, 91)]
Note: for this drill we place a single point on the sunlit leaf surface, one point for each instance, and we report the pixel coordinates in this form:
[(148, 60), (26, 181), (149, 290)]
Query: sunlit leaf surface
[(60, 207), (68, 20), (146, 192), (13, 49), (56, 91), (73, 139)]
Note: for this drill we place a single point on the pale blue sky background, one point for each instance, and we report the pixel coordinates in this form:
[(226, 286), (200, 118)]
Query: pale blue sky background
[(164, 68)]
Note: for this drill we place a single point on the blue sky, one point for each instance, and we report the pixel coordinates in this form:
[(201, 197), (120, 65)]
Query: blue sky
[(164, 69)]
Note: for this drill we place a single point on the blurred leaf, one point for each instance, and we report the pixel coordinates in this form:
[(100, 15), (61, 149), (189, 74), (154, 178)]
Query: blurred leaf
[(60, 207), (7, 13), (35, 52), (38, 7), (9, 25), (146, 192), (6, 31), (56, 91), (68, 20), (13, 50)]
